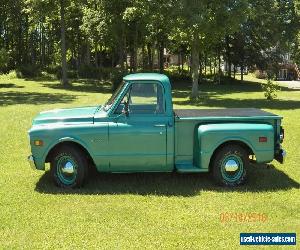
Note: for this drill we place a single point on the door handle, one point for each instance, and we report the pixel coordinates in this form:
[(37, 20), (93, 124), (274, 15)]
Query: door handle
[(159, 125)]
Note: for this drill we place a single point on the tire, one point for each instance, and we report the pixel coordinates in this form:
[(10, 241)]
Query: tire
[(69, 167), (229, 166)]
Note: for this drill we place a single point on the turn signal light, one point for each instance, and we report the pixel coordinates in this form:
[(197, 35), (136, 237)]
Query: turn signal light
[(38, 143), (263, 139)]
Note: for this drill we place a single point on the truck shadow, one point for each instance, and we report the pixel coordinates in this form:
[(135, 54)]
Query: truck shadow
[(10, 85), (82, 85), (262, 178), (217, 102), (12, 98)]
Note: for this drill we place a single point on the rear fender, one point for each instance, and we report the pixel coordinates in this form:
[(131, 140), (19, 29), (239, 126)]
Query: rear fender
[(211, 136)]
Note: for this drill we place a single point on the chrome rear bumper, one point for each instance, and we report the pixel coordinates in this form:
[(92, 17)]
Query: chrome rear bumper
[(31, 161), (280, 156)]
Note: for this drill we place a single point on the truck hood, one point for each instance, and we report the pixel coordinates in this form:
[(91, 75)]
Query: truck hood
[(72, 115)]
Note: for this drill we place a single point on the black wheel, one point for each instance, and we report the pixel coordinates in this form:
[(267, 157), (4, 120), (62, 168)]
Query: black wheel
[(229, 166), (69, 167)]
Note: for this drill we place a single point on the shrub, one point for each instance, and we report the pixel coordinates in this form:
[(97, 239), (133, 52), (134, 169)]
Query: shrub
[(106, 73), (53, 69), (4, 58), (28, 70), (70, 73), (88, 72), (270, 88), (178, 76), (10, 75), (260, 74), (116, 78)]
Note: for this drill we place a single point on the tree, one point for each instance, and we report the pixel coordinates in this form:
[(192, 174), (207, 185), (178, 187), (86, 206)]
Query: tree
[(63, 44), (40, 10), (205, 23), (43, 34)]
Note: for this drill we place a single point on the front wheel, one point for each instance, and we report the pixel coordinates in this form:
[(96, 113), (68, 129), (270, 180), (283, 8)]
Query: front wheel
[(69, 167), (229, 165)]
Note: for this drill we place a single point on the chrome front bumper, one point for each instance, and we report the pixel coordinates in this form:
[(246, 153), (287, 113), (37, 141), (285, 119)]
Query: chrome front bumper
[(280, 156), (31, 161)]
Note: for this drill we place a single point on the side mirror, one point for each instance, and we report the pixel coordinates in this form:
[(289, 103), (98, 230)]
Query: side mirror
[(120, 108)]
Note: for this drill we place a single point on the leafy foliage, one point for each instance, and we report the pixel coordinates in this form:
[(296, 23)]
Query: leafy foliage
[(133, 34), (4, 59), (270, 89), (28, 71)]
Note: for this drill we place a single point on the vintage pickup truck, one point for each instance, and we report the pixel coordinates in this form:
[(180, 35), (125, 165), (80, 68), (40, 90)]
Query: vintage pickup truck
[(137, 130)]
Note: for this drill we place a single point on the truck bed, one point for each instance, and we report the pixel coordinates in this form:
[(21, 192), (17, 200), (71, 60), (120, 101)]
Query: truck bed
[(231, 112)]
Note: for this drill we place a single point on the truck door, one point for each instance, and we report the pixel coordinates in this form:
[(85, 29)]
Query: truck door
[(138, 140)]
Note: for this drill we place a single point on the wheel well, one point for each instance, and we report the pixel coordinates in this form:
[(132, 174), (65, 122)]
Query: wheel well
[(76, 145), (240, 143)]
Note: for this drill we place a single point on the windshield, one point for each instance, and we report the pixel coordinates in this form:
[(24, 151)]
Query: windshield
[(111, 100)]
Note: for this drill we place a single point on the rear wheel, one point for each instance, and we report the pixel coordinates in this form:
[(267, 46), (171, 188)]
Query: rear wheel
[(229, 165), (69, 167)]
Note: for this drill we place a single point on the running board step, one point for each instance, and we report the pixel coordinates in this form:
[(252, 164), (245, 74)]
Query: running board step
[(189, 168)]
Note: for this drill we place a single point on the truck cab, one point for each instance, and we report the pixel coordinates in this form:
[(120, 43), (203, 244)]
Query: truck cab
[(137, 130)]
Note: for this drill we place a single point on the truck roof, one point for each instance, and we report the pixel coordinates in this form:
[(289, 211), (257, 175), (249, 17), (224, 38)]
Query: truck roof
[(147, 76)]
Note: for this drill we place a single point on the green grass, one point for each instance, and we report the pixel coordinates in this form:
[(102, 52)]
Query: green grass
[(139, 210)]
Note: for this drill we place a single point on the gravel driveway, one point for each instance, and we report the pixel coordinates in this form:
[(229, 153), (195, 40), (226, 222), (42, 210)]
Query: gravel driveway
[(290, 84)]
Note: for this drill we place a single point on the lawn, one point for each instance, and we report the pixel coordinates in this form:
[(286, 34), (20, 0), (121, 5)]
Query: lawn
[(139, 210)]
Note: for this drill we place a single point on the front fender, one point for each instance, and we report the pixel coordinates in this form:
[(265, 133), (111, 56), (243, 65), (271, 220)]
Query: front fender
[(92, 137), (65, 139), (40, 154)]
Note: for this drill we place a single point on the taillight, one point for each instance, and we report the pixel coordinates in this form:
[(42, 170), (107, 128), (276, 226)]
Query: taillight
[(281, 136), (263, 139)]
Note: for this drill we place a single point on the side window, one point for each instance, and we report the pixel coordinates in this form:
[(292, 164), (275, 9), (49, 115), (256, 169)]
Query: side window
[(143, 98), (146, 98)]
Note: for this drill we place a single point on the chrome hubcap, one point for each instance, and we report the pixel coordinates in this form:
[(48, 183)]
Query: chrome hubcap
[(231, 166), (68, 168)]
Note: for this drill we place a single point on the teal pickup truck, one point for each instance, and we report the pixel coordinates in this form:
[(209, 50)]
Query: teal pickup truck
[(137, 130)]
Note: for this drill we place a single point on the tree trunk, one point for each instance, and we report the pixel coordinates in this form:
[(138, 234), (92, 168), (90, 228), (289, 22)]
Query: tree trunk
[(178, 61), (234, 71), (200, 68), (96, 56), (242, 66), (112, 59), (121, 48), (242, 72), (26, 51), (88, 53), (63, 45), (215, 65), (195, 66), (219, 66), (101, 57), (78, 41), (161, 57), (144, 64), (205, 63), (150, 61), (228, 56), (182, 61), (131, 60), (200, 73), (135, 49), (43, 46)]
